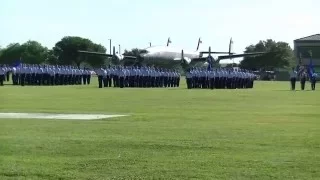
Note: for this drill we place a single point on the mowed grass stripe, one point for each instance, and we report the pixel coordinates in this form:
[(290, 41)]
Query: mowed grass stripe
[(267, 132)]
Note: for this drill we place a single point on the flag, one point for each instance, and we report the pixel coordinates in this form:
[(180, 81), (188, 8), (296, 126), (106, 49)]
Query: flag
[(17, 63), (310, 68)]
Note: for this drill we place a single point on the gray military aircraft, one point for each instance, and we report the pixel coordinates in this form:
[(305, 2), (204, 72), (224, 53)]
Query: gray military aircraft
[(185, 57)]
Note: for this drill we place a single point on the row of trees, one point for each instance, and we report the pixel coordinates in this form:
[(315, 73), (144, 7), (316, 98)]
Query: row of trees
[(279, 55), (63, 53)]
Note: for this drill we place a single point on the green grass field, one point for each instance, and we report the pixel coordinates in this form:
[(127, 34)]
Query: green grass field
[(267, 132)]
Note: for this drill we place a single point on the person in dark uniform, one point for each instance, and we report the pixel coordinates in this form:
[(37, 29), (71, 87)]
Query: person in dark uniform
[(178, 78), (8, 73), (109, 77), (233, 81), (2, 75), (211, 77), (313, 79), (303, 78), (84, 76), (100, 73), (89, 78), (293, 79), (203, 76), (216, 79), (229, 79), (116, 77), (253, 77), (105, 78), (140, 77), (189, 79), (57, 75), (122, 77), (52, 75), (165, 78), (14, 76), (23, 74)]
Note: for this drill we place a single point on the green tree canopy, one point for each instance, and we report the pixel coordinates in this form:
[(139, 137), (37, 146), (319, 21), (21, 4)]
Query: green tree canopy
[(66, 51), (31, 52), (51, 57), (279, 55), (11, 53)]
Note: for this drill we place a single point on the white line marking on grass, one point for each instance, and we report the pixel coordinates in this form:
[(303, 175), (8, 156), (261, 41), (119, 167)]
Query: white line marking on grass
[(56, 116)]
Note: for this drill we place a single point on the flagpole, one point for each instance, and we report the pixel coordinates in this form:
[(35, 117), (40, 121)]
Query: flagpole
[(310, 68), (299, 65)]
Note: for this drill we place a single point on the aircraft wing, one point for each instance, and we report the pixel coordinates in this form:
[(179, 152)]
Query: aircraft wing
[(201, 59), (104, 54), (95, 53), (207, 52), (239, 55), (130, 57)]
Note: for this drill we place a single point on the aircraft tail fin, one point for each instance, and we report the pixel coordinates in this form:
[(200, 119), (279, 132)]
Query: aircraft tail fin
[(199, 41), (182, 54), (231, 46), (169, 41)]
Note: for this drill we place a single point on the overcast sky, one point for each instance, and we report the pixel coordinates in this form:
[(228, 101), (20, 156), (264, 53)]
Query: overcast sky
[(135, 23)]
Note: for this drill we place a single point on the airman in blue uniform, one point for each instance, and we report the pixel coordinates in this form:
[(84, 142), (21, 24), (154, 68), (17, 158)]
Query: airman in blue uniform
[(303, 78), (313, 81)]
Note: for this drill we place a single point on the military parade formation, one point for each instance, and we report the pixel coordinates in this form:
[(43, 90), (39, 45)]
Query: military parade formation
[(44, 75), (137, 77), (219, 79)]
